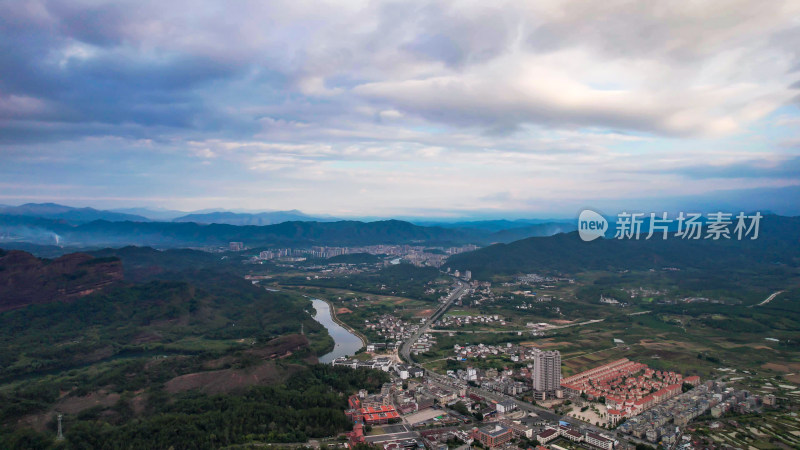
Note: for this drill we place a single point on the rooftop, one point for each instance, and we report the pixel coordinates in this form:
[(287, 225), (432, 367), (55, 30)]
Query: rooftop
[(494, 430)]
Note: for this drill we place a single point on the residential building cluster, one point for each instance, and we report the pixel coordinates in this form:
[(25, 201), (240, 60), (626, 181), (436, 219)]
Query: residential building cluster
[(664, 423), (461, 321), (423, 395), (533, 278), (512, 351), (628, 387), (423, 344), (480, 292), (391, 328), (738, 401), (544, 373), (506, 381)]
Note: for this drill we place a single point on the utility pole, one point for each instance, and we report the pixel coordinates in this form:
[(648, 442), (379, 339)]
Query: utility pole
[(60, 436)]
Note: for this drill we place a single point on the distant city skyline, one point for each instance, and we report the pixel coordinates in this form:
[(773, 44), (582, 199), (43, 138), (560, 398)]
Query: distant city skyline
[(457, 110)]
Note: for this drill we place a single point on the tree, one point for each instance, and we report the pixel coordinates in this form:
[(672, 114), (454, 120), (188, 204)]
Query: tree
[(461, 408)]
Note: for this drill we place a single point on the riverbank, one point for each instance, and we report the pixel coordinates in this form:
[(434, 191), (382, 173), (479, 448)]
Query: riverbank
[(348, 342), (347, 327)]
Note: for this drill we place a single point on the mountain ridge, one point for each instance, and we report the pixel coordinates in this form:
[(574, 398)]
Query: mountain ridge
[(263, 218), (68, 213), (101, 233)]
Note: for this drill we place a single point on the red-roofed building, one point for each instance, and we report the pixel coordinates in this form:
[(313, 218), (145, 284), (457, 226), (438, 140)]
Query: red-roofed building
[(615, 415), (379, 414), (357, 435), (627, 386), (694, 380)]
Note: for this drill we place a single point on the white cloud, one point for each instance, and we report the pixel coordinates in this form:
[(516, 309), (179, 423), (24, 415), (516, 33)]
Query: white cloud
[(413, 103)]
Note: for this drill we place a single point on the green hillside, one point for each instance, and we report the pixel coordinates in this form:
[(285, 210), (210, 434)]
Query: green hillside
[(777, 247)]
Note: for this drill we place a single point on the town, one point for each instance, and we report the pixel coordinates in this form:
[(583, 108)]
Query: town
[(482, 408), (621, 404)]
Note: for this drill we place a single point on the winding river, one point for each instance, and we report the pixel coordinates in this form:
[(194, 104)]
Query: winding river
[(346, 343)]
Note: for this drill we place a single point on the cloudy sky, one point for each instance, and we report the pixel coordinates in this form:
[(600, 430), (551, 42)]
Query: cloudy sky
[(401, 108)]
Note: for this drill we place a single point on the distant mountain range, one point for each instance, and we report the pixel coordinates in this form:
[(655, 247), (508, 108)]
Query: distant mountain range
[(264, 218), (499, 225), (57, 225), (190, 234), (84, 215), (154, 214), (69, 214), (19, 231)]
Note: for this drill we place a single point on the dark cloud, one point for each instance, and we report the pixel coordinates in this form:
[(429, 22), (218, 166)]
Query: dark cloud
[(201, 66), (78, 64)]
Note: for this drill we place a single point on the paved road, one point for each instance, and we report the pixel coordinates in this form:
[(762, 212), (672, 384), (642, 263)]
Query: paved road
[(770, 298), (457, 293)]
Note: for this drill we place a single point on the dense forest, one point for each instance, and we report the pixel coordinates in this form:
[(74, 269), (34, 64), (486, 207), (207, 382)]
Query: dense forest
[(310, 404), (145, 263)]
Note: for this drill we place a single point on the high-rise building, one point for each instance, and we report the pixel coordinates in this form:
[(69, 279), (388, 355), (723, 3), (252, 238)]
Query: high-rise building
[(546, 373)]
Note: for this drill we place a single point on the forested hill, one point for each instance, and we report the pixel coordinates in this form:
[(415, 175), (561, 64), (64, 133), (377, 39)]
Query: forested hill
[(777, 246), (28, 280), (146, 263)]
